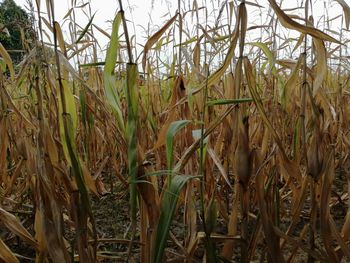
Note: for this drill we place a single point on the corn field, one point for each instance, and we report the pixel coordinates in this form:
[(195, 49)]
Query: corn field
[(207, 146)]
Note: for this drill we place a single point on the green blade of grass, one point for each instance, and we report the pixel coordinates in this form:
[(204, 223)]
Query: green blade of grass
[(172, 130), (108, 74), (267, 52), (131, 133), (228, 101), (168, 206), (82, 34)]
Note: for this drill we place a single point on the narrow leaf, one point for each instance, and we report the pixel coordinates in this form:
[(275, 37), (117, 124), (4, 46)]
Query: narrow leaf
[(173, 129), (168, 206), (153, 39), (228, 101), (82, 34), (287, 22)]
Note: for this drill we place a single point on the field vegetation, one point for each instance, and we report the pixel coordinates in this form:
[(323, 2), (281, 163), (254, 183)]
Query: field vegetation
[(222, 141)]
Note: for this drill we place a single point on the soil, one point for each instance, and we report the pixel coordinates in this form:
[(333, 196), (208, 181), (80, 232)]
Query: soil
[(111, 214)]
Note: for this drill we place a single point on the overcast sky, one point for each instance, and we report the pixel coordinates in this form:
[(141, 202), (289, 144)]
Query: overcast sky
[(156, 12), (138, 11)]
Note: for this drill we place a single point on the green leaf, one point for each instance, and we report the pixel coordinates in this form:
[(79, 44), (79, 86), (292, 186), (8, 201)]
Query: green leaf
[(131, 134), (267, 53), (92, 65), (197, 134), (228, 101), (70, 104), (71, 111), (82, 34), (7, 59), (2, 65), (167, 210), (83, 106), (211, 216), (108, 74), (84, 202), (189, 41), (174, 127)]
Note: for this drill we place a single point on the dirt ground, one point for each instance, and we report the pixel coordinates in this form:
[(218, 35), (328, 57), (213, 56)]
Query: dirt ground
[(111, 214)]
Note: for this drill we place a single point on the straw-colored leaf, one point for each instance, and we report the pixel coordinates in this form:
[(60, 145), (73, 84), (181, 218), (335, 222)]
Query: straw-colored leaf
[(154, 38), (12, 223), (218, 164), (326, 232), (346, 10), (51, 146), (102, 31), (90, 182), (321, 70), (47, 23), (289, 166), (18, 112), (289, 90), (177, 92), (6, 57), (60, 38), (80, 50), (299, 42), (287, 22), (272, 239), (6, 255)]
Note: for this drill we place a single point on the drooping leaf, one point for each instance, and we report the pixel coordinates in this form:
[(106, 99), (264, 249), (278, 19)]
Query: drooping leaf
[(153, 39), (289, 166), (289, 88), (288, 22), (268, 54), (346, 10), (13, 224)]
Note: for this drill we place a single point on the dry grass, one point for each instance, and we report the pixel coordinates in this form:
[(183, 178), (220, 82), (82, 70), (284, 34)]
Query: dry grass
[(252, 156)]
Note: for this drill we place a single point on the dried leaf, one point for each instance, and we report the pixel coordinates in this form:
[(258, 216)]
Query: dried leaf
[(6, 255), (153, 39), (321, 70), (287, 22), (13, 224), (346, 10)]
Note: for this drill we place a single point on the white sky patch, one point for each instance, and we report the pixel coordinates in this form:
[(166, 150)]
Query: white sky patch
[(147, 16), (141, 16)]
